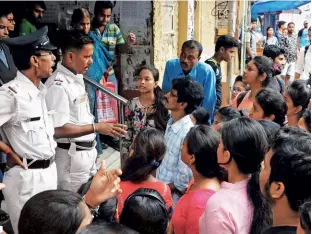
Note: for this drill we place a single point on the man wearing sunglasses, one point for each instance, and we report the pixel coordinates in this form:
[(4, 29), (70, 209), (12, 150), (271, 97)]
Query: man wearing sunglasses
[(34, 17)]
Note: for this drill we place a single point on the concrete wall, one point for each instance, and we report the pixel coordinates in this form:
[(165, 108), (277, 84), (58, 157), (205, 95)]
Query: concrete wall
[(205, 27), (165, 43)]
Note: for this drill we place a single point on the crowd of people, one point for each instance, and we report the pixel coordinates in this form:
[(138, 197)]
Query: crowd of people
[(192, 164)]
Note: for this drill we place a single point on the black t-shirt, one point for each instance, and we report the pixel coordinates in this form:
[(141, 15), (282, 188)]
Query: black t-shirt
[(281, 230), (217, 70)]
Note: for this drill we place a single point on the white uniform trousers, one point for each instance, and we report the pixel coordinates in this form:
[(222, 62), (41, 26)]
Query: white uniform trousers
[(73, 170), (22, 184)]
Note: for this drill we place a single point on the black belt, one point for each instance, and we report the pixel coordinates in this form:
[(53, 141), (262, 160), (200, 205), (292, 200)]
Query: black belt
[(85, 144), (38, 164)]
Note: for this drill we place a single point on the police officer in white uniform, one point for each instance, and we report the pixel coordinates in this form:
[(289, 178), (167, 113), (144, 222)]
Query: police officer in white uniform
[(74, 124), (26, 124)]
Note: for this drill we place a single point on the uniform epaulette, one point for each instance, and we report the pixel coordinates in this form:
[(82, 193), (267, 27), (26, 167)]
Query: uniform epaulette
[(12, 89), (58, 81)]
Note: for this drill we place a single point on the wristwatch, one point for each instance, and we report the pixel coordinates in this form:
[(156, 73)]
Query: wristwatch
[(93, 211)]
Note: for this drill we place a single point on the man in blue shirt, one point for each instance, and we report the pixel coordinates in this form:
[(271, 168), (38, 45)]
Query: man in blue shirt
[(303, 38), (188, 65), (184, 97)]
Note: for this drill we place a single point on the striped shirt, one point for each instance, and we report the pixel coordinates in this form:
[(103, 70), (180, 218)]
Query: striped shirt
[(173, 170), (111, 37)]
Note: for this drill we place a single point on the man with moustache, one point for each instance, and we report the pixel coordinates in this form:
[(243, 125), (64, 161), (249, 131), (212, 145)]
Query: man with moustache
[(285, 178), (34, 17), (74, 124), (188, 65), (25, 123)]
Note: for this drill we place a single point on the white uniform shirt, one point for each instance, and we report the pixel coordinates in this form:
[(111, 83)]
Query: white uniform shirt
[(303, 66), (68, 98), (25, 121)]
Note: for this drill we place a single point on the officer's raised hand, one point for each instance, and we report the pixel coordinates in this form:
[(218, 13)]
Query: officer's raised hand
[(114, 130)]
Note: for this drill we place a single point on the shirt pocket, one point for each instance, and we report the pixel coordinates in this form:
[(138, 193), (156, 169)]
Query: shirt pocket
[(35, 132)]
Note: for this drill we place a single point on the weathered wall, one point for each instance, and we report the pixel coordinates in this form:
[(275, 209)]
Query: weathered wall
[(165, 42), (205, 26)]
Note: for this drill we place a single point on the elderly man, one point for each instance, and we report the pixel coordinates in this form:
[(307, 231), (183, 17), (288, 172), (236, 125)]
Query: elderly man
[(26, 124)]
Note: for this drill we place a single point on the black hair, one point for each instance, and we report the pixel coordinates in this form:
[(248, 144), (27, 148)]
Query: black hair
[(300, 93), (273, 51), (107, 208), (190, 92), (145, 212), (272, 103), (228, 113), (246, 141), (202, 142), (270, 129), (281, 23), (307, 119), (32, 4), (309, 28), (52, 211), (5, 11), (99, 5), (161, 115), (148, 150), (290, 23), (226, 41), (78, 15), (239, 78), (305, 216), (201, 116), (291, 163), (194, 45), (75, 40), (253, 20), (107, 228), (264, 65), (269, 27)]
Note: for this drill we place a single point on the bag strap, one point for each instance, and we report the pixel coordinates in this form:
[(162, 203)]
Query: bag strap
[(106, 73)]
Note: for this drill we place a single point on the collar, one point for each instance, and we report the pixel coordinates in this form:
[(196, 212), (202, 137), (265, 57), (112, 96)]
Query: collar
[(192, 72), (33, 91), (105, 30), (71, 77), (238, 185), (176, 126)]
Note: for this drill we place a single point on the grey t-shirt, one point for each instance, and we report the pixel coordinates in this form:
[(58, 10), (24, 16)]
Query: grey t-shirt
[(253, 44)]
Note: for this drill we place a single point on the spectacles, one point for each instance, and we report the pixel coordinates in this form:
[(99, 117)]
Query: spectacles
[(11, 20), (236, 89), (46, 54), (172, 94)]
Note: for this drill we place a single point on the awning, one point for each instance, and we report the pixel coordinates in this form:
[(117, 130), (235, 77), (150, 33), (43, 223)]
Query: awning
[(264, 6)]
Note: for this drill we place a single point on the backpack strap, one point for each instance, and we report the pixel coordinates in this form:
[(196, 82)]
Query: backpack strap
[(212, 63)]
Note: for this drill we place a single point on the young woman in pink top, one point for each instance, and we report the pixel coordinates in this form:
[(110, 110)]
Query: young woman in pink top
[(239, 208), (146, 153), (257, 74), (199, 152)]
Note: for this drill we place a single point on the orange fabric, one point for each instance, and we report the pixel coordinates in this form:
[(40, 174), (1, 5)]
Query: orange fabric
[(129, 187), (245, 105)]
